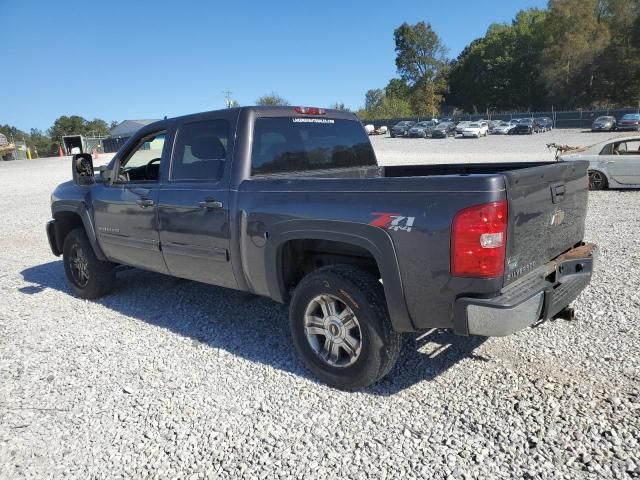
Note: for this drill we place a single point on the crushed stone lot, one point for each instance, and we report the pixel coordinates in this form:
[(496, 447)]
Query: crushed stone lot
[(166, 378)]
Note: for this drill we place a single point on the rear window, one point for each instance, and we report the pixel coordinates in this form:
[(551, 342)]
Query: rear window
[(283, 144)]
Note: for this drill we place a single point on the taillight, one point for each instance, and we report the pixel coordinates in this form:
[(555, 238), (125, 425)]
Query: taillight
[(478, 240), (310, 110)]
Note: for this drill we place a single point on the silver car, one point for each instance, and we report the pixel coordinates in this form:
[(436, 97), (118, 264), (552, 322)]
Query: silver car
[(614, 163)]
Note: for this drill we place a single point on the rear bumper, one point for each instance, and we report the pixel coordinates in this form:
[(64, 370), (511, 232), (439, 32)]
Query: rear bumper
[(51, 235), (539, 296)]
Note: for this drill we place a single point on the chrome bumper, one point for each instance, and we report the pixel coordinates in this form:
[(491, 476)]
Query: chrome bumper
[(539, 296)]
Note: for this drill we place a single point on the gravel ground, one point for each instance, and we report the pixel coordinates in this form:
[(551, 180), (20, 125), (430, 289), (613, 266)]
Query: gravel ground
[(167, 378)]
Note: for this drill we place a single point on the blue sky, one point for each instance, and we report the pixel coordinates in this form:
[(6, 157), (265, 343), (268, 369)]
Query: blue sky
[(120, 60)]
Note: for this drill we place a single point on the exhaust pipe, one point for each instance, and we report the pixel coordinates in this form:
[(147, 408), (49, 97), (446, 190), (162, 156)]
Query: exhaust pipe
[(567, 313)]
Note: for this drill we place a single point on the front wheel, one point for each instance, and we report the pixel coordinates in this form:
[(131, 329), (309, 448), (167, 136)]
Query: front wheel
[(597, 180), (87, 276), (341, 327)]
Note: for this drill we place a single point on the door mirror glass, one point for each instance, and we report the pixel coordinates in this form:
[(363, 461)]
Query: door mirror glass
[(82, 169)]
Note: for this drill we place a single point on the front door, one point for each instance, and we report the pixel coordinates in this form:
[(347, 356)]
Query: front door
[(125, 209), (194, 204), (623, 164)]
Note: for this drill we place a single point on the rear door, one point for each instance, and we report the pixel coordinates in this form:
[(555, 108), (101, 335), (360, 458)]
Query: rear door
[(624, 167), (194, 203), (547, 212)]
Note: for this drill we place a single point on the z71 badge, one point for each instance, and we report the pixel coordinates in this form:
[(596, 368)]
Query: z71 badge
[(392, 221)]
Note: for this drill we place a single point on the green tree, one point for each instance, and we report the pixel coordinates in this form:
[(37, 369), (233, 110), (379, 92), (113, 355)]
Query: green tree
[(373, 99), (96, 127), (397, 88), (67, 125), (618, 81), (273, 99), (578, 36), (420, 54), (501, 70), (421, 61), (40, 143)]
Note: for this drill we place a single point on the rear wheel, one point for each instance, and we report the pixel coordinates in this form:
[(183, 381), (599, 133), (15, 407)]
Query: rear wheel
[(87, 276), (8, 157), (597, 180), (341, 327)]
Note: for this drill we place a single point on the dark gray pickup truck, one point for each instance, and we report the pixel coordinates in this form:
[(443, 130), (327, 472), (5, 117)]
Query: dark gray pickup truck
[(290, 203)]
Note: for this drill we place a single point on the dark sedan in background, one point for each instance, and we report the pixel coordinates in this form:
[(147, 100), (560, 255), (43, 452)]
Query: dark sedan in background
[(444, 130), (422, 129), (630, 121), (544, 124), (525, 126), (401, 129), (604, 124)]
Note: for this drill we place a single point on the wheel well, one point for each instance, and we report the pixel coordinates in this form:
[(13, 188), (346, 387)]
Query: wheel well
[(65, 222), (298, 258)]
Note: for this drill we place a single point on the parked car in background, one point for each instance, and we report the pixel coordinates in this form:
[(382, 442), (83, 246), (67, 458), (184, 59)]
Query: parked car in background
[(502, 128), (525, 126), (421, 129), (614, 163), (401, 129), (461, 126), (476, 129), (493, 124), (630, 121), (444, 130), (514, 121), (545, 124), (604, 124), (372, 130)]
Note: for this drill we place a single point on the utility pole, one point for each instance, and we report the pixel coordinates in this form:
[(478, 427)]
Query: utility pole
[(227, 98)]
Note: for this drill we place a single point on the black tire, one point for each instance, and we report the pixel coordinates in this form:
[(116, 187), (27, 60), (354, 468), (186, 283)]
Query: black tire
[(597, 180), (361, 293), (87, 276), (8, 157)]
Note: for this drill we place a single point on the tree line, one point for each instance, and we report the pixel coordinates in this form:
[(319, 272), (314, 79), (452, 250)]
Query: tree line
[(46, 143), (575, 54)]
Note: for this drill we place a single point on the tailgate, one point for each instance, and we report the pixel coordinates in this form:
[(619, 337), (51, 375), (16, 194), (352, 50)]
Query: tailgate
[(547, 212)]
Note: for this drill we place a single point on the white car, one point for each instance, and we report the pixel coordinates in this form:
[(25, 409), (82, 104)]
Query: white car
[(502, 128), (614, 163), (476, 129)]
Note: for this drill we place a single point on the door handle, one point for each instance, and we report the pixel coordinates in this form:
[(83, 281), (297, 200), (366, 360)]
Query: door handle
[(210, 204), (145, 202)]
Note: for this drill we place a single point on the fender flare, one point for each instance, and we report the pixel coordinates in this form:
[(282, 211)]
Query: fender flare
[(373, 239), (80, 209)]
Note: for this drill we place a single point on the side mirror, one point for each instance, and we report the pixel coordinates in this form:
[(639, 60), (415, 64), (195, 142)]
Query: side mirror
[(82, 169)]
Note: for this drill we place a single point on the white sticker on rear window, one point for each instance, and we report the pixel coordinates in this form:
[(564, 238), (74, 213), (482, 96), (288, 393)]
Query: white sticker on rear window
[(313, 120)]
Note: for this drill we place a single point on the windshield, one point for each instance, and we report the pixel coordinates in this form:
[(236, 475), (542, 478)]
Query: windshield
[(527, 121), (422, 124), (284, 144), (474, 125), (603, 119)]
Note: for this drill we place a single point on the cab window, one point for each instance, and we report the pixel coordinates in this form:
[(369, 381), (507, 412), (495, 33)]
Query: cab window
[(142, 164)]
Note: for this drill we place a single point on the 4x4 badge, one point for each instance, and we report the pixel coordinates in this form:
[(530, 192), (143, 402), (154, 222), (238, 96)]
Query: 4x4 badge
[(392, 221)]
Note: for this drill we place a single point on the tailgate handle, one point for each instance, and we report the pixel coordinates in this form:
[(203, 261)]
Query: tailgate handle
[(557, 192)]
